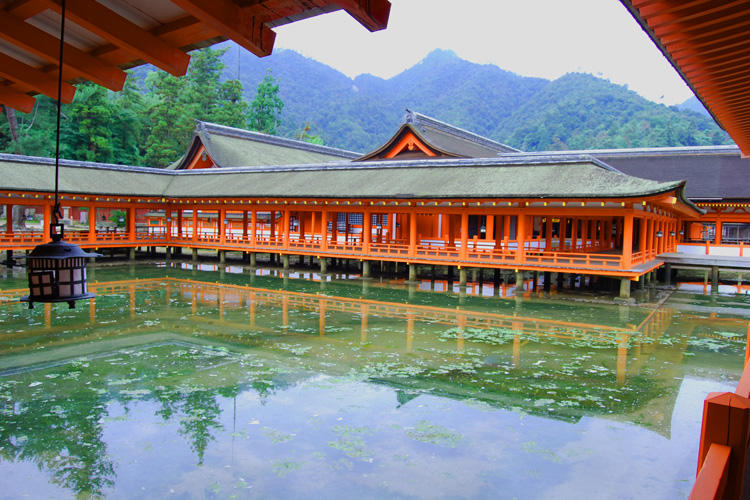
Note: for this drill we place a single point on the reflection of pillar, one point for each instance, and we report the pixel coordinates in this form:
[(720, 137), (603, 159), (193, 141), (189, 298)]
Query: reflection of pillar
[(516, 351), (285, 311), (220, 299), (194, 303), (132, 301), (460, 335), (322, 324), (364, 311), (92, 311), (47, 315), (622, 357), (409, 332), (252, 309)]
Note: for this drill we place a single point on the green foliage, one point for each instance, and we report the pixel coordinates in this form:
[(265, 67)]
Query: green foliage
[(170, 125), (119, 217), (266, 105), (90, 126), (306, 136), (233, 109)]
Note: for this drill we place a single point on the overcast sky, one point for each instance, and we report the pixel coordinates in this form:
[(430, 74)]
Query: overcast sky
[(542, 38)]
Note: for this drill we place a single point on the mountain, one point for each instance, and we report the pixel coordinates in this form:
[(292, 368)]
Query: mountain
[(694, 104), (576, 111)]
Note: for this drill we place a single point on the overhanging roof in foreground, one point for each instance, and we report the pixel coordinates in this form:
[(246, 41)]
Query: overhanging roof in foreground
[(707, 43), (512, 177), (104, 38)]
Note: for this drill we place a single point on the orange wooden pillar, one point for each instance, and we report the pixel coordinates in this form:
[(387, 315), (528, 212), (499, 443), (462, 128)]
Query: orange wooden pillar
[(726, 421), (521, 228), (180, 231), (642, 237), (413, 234), (253, 226), (92, 224), (548, 234), (464, 253), (585, 234), (47, 214), (9, 218), (366, 231), (221, 225), (131, 222), (324, 230), (719, 230), (650, 231), (627, 241), (286, 222), (244, 225), (195, 223)]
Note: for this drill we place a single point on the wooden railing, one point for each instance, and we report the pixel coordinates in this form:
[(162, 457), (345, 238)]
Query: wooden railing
[(577, 254), (723, 455)]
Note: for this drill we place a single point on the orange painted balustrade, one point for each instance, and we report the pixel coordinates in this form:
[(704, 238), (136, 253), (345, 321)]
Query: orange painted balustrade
[(723, 455)]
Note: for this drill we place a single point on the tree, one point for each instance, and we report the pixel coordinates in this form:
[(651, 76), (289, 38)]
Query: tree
[(89, 136), (171, 125), (203, 87), (266, 105), (306, 136), (233, 108), (130, 125)]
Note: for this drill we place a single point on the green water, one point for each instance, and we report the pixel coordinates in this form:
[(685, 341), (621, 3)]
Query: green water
[(185, 384)]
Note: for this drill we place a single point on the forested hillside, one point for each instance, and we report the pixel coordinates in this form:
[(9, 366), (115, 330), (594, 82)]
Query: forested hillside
[(150, 122)]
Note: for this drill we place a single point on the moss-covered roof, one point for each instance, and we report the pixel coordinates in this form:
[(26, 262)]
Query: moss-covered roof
[(523, 176), (233, 147), (447, 140)]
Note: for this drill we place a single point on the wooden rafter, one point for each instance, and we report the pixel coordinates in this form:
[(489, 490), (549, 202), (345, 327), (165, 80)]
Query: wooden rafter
[(109, 25), (46, 46), (243, 25), (16, 100), (707, 43), (34, 79), (163, 44)]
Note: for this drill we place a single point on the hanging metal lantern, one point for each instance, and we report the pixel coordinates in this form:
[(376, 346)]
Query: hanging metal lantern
[(57, 271)]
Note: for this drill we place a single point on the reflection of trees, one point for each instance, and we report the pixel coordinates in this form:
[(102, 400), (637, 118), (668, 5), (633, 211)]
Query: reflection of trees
[(63, 435), (202, 414)]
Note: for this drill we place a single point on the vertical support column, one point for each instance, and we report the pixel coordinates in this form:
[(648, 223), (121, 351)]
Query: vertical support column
[(548, 234), (180, 231), (521, 238), (220, 226), (573, 234), (366, 231), (412, 273), (490, 228), (366, 273), (131, 222), (9, 219), (519, 281), (244, 225), (195, 228), (563, 234), (627, 241), (719, 230), (464, 253), (324, 230), (286, 221), (650, 234), (624, 288), (585, 234), (413, 234), (92, 224), (462, 277), (254, 226), (47, 214)]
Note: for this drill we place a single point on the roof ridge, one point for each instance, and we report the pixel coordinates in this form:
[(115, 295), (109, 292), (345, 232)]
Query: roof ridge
[(14, 158), (207, 128), (422, 121)]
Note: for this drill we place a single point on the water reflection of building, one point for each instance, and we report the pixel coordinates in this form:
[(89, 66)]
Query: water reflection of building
[(504, 348)]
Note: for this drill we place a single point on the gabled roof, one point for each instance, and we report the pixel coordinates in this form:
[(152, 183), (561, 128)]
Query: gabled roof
[(234, 147), (421, 136), (511, 177), (711, 172)]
